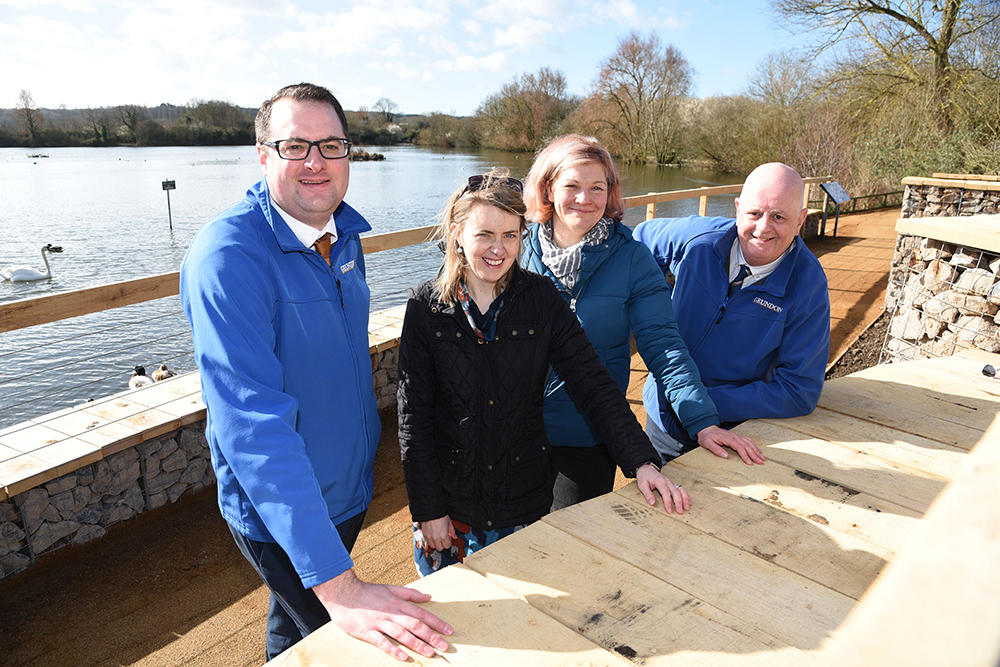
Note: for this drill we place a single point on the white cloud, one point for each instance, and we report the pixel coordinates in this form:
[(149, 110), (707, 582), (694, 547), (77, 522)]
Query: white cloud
[(64, 5), (440, 44), (401, 70), (374, 28), (263, 7), (625, 9), (424, 54), (528, 34), (512, 12), (495, 62)]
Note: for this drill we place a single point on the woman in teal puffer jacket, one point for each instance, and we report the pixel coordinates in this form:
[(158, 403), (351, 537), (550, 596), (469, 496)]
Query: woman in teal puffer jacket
[(616, 289)]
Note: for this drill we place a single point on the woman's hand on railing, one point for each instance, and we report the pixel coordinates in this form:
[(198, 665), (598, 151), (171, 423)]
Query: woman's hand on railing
[(648, 478), (714, 439)]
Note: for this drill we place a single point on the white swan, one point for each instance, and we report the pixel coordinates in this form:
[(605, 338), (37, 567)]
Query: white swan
[(20, 273)]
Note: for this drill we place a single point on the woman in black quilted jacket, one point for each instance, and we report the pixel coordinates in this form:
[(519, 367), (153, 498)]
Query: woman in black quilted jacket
[(476, 349)]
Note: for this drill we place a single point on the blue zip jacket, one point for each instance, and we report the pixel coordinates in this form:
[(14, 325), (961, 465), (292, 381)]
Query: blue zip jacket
[(621, 291), (762, 352), (281, 340)]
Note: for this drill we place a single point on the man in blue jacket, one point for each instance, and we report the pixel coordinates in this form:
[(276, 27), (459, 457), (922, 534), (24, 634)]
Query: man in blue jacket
[(275, 291), (752, 305)]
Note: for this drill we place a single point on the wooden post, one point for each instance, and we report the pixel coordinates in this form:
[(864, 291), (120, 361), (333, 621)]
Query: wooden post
[(168, 186), (650, 211), (703, 205)]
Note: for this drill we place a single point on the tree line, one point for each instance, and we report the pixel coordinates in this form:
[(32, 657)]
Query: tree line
[(200, 122), (889, 89)]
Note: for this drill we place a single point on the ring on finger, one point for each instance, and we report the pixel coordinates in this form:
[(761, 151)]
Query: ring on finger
[(678, 486)]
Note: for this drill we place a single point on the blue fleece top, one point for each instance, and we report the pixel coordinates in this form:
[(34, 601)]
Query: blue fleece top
[(621, 292), (762, 352), (281, 340)]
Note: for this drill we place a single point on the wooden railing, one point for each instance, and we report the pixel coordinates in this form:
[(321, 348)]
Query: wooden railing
[(42, 310), (702, 194), (968, 177)]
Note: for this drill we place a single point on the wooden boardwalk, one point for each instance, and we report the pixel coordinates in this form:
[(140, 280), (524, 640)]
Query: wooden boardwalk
[(198, 603), (856, 263), (770, 561)]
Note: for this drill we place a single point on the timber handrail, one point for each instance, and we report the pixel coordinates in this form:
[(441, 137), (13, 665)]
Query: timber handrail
[(653, 198), (43, 310), (967, 177)]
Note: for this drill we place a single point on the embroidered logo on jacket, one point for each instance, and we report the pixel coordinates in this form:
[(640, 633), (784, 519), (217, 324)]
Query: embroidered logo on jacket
[(344, 268), (767, 304)]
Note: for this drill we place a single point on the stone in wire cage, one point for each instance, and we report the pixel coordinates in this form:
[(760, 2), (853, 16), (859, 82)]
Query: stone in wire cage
[(943, 298)]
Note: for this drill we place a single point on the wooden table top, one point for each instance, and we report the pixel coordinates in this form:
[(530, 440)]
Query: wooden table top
[(763, 570)]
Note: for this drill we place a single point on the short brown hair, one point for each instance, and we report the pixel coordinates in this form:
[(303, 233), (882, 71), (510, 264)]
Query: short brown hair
[(300, 92), (561, 153), (494, 191)]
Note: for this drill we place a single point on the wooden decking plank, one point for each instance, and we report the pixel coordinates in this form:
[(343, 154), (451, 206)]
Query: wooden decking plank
[(849, 511), (934, 457), (845, 464), (806, 547), (951, 376), (492, 627), (615, 603), (981, 357), (952, 420), (938, 603), (776, 601)]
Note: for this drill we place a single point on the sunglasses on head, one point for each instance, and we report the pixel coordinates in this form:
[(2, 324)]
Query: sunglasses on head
[(478, 181)]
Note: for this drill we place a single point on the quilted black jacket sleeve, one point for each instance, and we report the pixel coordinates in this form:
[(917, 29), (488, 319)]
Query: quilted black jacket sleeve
[(471, 431)]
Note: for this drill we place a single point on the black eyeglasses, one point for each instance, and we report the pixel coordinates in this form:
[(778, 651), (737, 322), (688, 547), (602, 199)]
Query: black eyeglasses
[(333, 148), (478, 181)]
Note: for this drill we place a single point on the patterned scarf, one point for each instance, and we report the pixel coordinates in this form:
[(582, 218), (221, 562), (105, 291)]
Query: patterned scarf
[(489, 320), (564, 263)]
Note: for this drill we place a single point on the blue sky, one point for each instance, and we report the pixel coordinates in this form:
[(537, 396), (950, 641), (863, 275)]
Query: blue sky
[(435, 55)]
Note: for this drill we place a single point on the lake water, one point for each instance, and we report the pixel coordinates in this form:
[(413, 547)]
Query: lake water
[(107, 209)]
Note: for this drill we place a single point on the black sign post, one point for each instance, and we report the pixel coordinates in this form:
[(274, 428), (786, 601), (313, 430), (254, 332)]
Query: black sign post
[(834, 191), (168, 186)]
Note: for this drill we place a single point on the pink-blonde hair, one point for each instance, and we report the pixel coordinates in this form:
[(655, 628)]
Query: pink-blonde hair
[(569, 150)]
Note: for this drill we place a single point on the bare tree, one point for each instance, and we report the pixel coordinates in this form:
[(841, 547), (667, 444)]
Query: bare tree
[(781, 79), (219, 122), (447, 131), (891, 43), (526, 111), (99, 122), (737, 133), (28, 117), (133, 118), (641, 85), (387, 108)]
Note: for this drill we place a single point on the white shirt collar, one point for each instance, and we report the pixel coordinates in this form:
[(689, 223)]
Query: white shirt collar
[(757, 273), (303, 232)]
